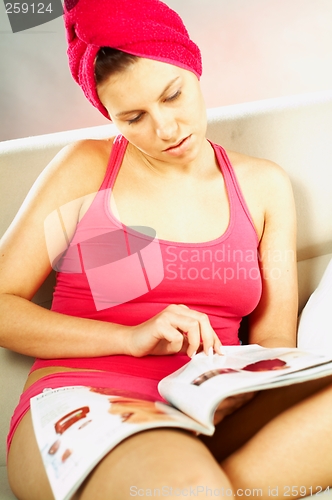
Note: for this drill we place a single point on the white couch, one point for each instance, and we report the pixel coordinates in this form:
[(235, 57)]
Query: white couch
[(295, 132)]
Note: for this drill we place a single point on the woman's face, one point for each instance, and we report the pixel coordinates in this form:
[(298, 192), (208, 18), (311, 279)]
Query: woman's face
[(159, 108)]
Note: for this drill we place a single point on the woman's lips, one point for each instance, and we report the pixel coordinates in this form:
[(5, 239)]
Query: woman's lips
[(179, 148)]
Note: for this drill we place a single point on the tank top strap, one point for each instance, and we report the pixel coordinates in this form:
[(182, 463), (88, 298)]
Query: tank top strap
[(118, 150), (238, 205)]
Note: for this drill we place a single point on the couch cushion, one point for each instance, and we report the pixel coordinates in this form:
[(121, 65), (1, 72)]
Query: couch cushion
[(315, 327)]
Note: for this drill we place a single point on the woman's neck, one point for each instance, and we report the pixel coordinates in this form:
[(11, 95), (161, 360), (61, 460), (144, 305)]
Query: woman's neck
[(204, 163)]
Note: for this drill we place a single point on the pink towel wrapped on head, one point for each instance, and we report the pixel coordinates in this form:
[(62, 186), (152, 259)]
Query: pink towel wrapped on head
[(145, 28)]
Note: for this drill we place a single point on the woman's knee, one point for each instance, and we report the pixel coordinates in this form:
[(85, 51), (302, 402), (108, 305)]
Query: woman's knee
[(152, 462), (155, 462)]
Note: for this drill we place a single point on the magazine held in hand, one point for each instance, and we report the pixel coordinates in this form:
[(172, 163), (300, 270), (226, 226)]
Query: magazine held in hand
[(77, 426)]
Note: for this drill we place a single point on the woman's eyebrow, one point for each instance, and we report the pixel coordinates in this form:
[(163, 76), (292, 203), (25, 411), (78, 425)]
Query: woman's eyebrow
[(123, 113), (168, 86)]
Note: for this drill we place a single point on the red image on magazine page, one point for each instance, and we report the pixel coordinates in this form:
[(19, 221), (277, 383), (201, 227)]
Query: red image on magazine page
[(262, 365), (68, 420), (63, 424), (137, 411), (131, 409), (212, 373)]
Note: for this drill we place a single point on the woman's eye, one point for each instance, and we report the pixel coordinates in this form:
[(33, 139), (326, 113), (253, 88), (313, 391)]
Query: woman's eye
[(173, 96), (136, 119)]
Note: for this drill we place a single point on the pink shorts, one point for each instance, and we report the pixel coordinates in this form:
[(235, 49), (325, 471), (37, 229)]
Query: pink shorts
[(135, 387)]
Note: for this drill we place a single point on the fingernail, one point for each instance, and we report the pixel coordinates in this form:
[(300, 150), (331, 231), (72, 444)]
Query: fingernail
[(210, 352), (220, 351)]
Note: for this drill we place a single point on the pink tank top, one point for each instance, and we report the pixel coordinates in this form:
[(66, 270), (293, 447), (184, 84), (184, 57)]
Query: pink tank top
[(125, 275)]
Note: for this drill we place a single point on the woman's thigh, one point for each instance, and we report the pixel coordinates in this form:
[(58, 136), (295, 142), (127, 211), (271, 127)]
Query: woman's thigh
[(239, 427), (155, 461), (161, 458), (26, 472)]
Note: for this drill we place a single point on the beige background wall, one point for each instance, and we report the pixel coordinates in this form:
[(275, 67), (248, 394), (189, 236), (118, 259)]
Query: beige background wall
[(252, 49)]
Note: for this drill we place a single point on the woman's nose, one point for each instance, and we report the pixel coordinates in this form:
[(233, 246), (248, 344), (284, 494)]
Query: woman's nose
[(166, 127)]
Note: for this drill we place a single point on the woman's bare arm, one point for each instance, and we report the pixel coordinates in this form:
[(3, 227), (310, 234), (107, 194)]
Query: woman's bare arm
[(269, 197), (273, 323), (25, 327)]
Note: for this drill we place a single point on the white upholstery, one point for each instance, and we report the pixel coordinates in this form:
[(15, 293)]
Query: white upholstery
[(315, 317), (295, 132)]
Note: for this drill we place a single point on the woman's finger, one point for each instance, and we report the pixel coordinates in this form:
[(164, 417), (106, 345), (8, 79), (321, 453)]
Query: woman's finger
[(195, 326), (207, 335), (217, 346)]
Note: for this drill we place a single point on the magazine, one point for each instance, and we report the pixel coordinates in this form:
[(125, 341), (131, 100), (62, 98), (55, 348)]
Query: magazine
[(77, 426)]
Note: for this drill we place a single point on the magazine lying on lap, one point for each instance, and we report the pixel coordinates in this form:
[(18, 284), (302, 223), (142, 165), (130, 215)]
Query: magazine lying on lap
[(77, 426)]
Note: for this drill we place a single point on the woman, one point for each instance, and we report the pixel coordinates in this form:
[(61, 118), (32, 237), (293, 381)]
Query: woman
[(220, 220)]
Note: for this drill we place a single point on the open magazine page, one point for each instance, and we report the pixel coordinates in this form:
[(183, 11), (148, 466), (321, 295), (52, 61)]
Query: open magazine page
[(76, 426), (198, 387)]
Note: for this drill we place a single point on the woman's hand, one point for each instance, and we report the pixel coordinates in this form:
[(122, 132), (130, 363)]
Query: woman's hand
[(176, 328)]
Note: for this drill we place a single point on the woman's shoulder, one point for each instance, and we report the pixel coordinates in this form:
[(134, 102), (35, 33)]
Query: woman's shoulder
[(266, 188), (252, 166), (76, 171), (259, 174), (82, 163)]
